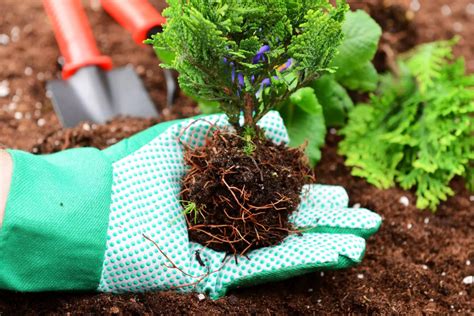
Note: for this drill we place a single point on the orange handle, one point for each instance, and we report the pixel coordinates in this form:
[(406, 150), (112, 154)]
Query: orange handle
[(136, 16), (74, 36)]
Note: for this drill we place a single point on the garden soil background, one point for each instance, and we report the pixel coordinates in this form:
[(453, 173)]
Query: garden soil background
[(414, 265)]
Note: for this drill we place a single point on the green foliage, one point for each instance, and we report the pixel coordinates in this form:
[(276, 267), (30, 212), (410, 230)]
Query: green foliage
[(418, 130), (334, 99), (248, 135), (355, 70), (361, 37), (232, 51), (303, 112), (360, 74), (427, 65), (190, 208), (304, 120), (355, 53), (364, 78)]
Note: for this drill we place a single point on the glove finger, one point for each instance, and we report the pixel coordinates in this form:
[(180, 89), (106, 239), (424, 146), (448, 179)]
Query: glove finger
[(360, 222), (296, 255), (323, 209)]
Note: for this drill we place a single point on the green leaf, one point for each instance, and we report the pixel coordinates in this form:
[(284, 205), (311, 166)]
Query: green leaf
[(304, 120), (306, 100), (361, 38), (334, 99), (363, 79)]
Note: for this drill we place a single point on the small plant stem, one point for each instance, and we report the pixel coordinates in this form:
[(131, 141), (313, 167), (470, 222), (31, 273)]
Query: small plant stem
[(248, 111)]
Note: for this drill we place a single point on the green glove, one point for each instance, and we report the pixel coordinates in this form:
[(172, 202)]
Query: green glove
[(111, 220)]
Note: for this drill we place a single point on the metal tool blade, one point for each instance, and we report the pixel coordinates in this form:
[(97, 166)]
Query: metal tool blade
[(95, 95)]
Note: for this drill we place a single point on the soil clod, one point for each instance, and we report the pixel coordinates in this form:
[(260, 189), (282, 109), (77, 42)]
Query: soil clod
[(236, 201)]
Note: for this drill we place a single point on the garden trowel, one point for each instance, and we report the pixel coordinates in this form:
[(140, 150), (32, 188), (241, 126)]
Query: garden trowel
[(90, 90), (142, 20)]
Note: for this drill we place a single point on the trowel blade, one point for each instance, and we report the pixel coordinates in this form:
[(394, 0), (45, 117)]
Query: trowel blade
[(95, 95)]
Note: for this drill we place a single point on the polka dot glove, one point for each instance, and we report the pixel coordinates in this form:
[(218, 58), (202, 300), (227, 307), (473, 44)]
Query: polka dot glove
[(147, 240)]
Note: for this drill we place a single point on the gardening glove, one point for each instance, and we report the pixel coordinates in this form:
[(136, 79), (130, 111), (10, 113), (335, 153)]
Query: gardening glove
[(112, 220)]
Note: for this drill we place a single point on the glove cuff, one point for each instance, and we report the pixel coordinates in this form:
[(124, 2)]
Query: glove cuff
[(55, 227)]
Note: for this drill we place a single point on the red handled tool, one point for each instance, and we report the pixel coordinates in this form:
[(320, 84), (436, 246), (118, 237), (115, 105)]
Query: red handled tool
[(142, 20), (138, 17), (90, 89)]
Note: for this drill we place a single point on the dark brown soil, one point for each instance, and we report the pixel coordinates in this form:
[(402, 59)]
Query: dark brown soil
[(242, 199), (414, 265)]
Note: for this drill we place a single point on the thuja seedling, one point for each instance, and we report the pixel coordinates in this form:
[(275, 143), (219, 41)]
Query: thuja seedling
[(250, 55)]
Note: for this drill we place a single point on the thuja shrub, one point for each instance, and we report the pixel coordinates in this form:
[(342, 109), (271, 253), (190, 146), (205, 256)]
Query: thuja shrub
[(250, 55), (325, 102), (418, 130)]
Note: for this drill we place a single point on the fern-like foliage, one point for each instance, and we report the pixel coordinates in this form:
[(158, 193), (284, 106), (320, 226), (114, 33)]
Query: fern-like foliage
[(249, 55), (418, 131), (428, 62)]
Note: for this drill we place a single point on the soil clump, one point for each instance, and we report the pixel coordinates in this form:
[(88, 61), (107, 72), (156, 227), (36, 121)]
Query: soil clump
[(239, 194)]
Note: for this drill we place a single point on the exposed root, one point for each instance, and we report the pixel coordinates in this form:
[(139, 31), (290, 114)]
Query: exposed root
[(243, 199), (198, 278)]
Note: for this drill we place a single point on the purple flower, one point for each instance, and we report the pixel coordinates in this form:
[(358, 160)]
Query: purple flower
[(260, 56), (240, 77), (286, 65), (265, 83), (233, 71), (263, 49)]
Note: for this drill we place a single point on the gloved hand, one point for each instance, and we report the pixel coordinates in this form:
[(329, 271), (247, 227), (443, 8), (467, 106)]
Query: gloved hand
[(112, 220)]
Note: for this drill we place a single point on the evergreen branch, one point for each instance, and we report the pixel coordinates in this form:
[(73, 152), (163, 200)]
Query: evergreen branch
[(237, 51)]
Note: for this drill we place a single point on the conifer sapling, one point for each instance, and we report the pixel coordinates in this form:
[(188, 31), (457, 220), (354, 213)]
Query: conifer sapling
[(250, 56)]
